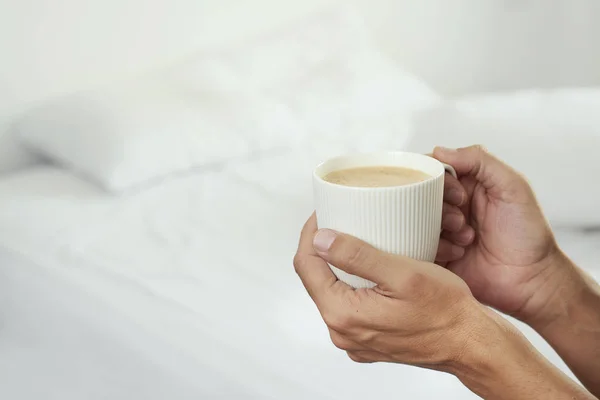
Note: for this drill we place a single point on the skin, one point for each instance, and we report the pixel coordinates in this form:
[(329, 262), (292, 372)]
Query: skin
[(510, 258), (515, 265), (497, 250)]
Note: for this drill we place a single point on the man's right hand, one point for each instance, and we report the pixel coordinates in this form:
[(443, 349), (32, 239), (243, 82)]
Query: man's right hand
[(515, 265), (510, 264)]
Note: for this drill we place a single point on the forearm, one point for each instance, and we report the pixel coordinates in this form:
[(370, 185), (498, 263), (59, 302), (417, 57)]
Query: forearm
[(500, 364), (570, 322)]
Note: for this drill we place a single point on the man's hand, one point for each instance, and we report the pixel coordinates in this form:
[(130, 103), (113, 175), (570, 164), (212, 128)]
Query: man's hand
[(457, 233), (510, 265), (420, 314), (515, 265)]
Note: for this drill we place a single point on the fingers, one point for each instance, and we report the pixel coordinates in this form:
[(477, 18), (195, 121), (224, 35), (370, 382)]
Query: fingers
[(315, 274), (453, 219), (448, 251), (475, 161), (469, 183), (456, 235), (464, 237), (454, 192), (359, 258)]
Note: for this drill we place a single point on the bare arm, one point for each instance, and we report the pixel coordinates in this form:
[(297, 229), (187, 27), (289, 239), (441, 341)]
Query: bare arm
[(516, 266), (500, 364), (570, 321), (424, 315)]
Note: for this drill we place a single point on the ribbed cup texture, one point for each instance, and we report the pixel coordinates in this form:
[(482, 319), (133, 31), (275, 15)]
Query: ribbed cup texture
[(403, 220)]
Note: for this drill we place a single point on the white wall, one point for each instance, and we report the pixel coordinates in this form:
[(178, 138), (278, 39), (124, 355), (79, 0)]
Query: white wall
[(51, 46), (464, 46)]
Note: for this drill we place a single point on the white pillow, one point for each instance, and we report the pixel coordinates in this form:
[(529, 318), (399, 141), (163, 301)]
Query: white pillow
[(124, 137), (551, 136), (329, 72), (321, 83)]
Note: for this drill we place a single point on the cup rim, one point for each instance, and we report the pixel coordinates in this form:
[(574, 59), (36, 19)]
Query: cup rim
[(320, 179)]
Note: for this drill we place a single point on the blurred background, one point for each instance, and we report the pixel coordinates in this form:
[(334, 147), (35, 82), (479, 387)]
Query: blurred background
[(155, 155), (460, 47)]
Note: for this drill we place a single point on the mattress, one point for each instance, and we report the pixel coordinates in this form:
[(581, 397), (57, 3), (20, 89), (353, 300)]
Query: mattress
[(182, 290)]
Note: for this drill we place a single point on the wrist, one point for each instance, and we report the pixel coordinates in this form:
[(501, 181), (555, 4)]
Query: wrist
[(499, 363), (484, 364), (570, 323), (562, 290)]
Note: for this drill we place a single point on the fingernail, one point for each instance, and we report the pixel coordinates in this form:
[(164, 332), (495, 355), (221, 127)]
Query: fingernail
[(455, 196), (323, 240), (453, 222), (458, 251)]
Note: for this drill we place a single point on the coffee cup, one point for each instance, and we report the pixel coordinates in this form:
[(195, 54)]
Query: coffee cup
[(402, 219)]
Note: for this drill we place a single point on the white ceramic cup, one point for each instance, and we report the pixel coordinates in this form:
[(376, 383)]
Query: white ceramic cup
[(403, 220)]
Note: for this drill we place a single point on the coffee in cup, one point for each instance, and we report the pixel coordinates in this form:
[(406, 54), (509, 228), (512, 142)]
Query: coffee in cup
[(377, 176)]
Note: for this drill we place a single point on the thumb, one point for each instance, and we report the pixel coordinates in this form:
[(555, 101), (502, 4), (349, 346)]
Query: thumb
[(359, 258), (493, 174)]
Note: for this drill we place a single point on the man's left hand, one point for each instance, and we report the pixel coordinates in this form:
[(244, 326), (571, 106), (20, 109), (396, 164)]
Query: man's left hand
[(419, 313)]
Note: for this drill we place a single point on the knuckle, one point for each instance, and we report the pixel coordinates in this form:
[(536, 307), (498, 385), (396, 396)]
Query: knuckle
[(481, 149), (339, 341), (356, 255), (299, 262), (522, 181), (357, 358), (367, 338), (518, 188), (416, 283), (338, 321)]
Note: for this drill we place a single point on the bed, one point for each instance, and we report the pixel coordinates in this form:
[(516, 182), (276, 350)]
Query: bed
[(179, 291), (182, 287)]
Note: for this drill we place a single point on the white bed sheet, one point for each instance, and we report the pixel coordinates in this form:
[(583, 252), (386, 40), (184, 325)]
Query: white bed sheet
[(185, 289), (59, 342)]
